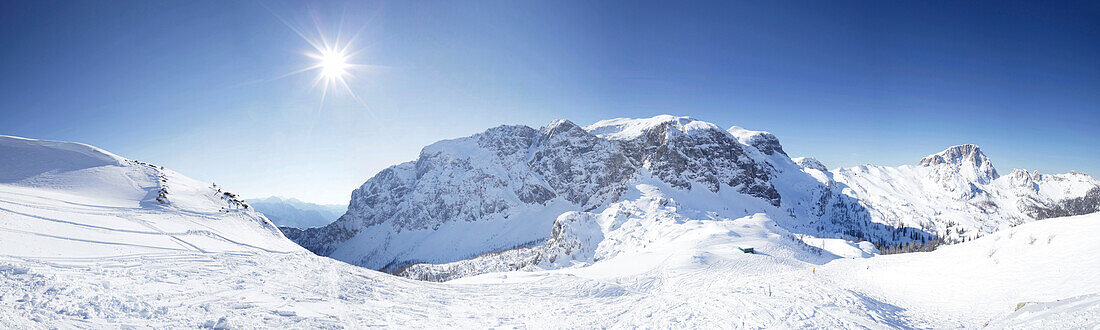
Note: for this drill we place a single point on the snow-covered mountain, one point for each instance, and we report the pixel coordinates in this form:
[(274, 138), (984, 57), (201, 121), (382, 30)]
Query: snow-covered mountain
[(74, 200), (516, 197), (91, 240), (958, 194), (291, 212), (505, 187)]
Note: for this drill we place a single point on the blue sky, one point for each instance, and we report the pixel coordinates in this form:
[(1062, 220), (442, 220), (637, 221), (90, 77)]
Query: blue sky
[(191, 85)]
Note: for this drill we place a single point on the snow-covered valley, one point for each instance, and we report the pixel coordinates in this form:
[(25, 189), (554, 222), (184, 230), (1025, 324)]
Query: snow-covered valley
[(621, 224)]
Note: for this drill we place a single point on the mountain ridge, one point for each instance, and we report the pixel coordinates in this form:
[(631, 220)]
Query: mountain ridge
[(291, 212), (505, 187)]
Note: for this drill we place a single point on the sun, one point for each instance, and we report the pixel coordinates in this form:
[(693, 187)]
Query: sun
[(333, 59), (333, 64)]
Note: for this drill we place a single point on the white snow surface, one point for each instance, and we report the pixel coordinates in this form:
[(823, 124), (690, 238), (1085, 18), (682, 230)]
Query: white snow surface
[(674, 268), (61, 199)]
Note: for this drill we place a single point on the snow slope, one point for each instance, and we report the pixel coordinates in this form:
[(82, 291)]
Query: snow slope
[(63, 199), (690, 275), (979, 280), (290, 212)]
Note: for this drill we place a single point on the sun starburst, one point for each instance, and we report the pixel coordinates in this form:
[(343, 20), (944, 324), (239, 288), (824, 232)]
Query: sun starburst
[(332, 59)]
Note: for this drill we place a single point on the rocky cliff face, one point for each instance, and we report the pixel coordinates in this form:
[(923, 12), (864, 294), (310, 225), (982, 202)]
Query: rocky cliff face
[(682, 151)]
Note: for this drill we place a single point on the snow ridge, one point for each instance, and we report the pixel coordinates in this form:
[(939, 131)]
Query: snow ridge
[(71, 199)]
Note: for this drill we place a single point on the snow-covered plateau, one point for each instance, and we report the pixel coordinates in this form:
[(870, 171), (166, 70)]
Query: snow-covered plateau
[(625, 223)]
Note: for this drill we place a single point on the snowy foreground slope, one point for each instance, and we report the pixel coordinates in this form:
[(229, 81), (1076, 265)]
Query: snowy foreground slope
[(694, 277), (63, 199), (105, 242)]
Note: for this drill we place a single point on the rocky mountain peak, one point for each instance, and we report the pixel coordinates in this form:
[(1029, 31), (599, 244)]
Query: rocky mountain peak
[(561, 126), (965, 159), (764, 141), (964, 153)]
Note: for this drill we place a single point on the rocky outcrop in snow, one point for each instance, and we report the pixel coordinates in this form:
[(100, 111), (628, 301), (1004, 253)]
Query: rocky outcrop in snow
[(810, 163)]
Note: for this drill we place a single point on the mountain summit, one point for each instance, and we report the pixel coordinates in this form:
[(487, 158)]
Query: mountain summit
[(966, 159), (506, 186)]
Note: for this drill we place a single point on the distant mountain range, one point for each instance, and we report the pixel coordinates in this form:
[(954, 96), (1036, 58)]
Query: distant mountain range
[(564, 192), (290, 212)]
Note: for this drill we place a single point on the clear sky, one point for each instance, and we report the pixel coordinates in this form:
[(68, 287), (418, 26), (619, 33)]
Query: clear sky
[(192, 85)]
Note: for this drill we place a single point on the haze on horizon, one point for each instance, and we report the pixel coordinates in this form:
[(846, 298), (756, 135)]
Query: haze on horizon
[(199, 86)]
